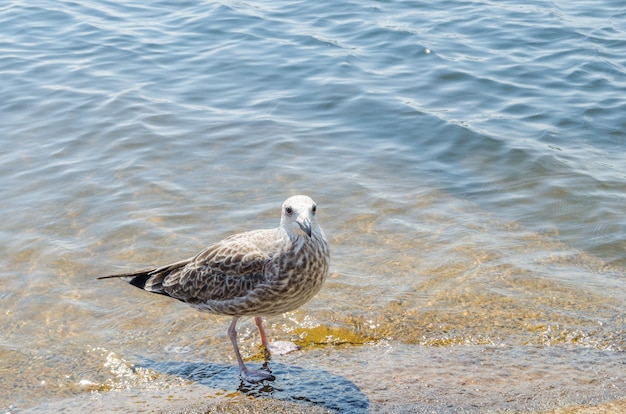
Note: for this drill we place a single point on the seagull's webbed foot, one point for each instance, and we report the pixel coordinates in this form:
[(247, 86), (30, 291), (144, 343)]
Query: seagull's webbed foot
[(281, 348), (253, 376)]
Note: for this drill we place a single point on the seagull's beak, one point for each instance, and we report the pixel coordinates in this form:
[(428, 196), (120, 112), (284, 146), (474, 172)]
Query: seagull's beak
[(305, 225)]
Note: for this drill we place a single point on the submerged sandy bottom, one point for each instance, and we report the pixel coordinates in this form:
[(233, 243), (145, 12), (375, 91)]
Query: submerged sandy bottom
[(464, 314)]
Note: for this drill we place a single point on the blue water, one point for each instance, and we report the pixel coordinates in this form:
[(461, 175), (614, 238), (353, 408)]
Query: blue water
[(436, 137)]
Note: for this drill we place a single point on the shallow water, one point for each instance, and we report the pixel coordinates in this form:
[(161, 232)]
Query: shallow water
[(467, 158)]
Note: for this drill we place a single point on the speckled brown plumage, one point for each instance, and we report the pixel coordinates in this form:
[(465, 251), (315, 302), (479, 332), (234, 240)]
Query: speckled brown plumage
[(259, 273)]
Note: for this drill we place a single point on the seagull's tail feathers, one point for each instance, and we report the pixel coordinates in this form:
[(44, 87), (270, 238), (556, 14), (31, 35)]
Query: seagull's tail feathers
[(150, 280)]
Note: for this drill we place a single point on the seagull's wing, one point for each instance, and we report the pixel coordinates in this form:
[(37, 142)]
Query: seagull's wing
[(226, 270)]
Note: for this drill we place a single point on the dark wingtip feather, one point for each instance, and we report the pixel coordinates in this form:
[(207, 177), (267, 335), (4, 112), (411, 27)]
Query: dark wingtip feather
[(139, 280), (150, 280), (136, 279), (129, 277), (108, 277)]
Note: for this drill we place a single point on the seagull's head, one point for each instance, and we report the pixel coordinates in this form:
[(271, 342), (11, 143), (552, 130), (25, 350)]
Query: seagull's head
[(299, 216)]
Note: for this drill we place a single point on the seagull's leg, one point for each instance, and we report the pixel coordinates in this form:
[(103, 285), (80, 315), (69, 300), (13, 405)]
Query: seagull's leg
[(276, 348), (248, 375), (259, 324)]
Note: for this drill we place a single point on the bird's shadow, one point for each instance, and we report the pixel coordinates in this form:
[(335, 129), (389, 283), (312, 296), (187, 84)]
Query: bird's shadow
[(292, 384)]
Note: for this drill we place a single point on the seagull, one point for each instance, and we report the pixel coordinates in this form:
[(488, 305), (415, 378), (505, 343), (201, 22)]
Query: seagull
[(257, 273)]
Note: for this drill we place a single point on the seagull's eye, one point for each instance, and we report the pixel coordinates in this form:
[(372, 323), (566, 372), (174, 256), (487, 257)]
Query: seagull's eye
[(288, 211), (314, 209)]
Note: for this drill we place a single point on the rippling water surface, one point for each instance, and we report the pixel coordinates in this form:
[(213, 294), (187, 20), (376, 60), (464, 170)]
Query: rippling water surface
[(467, 157)]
